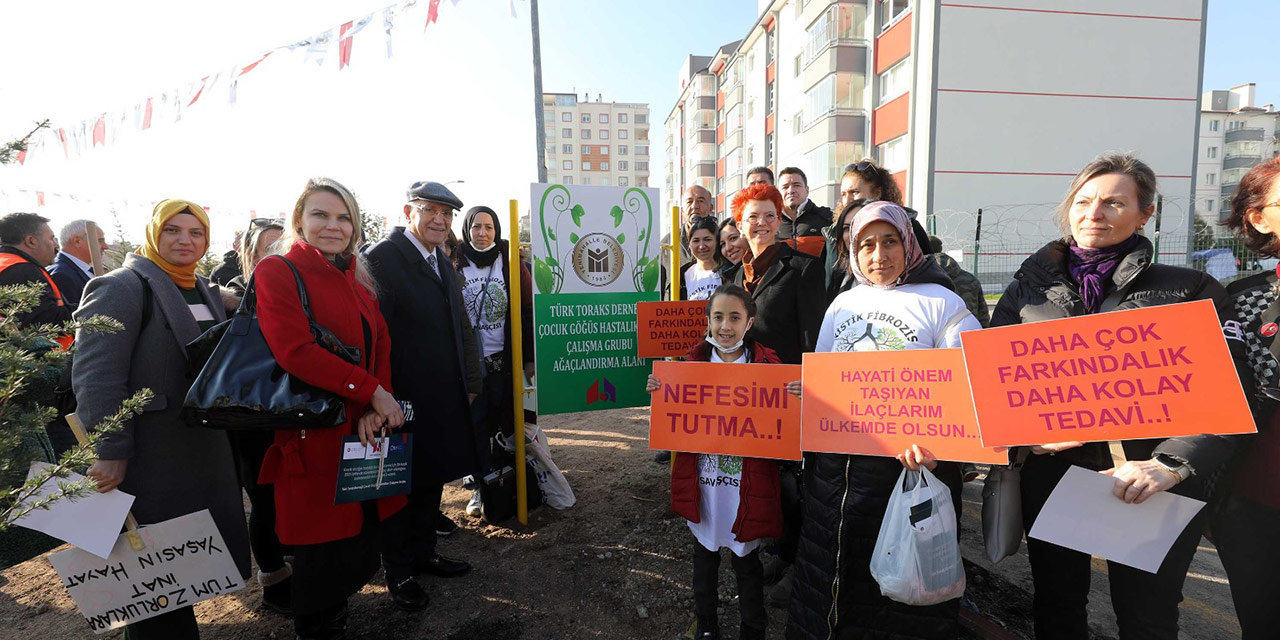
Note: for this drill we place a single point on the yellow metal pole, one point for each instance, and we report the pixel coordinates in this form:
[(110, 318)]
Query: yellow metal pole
[(517, 363), (675, 253)]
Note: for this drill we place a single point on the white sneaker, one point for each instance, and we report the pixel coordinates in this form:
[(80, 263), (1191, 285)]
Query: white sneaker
[(474, 506)]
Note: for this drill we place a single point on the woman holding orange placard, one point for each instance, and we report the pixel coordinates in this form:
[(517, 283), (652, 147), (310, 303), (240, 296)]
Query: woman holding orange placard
[(902, 301), (1104, 264)]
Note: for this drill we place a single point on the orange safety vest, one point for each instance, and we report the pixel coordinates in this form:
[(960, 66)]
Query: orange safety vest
[(9, 259)]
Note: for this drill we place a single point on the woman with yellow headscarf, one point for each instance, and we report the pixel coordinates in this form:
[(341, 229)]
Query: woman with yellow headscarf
[(173, 469)]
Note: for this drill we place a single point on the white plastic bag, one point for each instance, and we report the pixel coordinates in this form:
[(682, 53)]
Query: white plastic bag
[(917, 556), (556, 492)]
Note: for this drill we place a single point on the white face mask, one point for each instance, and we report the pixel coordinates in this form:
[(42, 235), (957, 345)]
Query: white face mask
[(712, 341), (486, 249)]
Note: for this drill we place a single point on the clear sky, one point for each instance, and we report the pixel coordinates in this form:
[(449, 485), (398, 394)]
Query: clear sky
[(453, 103)]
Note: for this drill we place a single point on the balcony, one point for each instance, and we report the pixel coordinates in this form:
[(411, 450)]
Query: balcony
[(732, 141), (1246, 134), (1241, 161), (1229, 189)]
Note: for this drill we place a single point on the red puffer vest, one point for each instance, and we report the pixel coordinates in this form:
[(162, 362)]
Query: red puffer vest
[(760, 494)]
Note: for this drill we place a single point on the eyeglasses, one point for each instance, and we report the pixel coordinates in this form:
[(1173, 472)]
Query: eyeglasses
[(266, 223), (1273, 204), (429, 213), (768, 218)]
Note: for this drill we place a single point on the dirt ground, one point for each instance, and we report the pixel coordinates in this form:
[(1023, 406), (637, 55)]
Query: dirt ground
[(616, 565)]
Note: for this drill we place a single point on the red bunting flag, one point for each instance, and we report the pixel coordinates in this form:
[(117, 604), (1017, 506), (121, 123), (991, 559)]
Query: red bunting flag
[(39, 198), (100, 131), (252, 65), (198, 91), (344, 45), (22, 157), (62, 136), (146, 116), (433, 11)]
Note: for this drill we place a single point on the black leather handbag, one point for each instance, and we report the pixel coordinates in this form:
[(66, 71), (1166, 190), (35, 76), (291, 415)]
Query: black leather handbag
[(241, 386)]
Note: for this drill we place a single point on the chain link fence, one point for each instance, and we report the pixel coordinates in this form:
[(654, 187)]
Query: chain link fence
[(992, 241)]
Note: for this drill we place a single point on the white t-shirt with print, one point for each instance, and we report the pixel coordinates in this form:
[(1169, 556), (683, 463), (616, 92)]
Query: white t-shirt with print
[(485, 299), (909, 316), (719, 484), (699, 283)]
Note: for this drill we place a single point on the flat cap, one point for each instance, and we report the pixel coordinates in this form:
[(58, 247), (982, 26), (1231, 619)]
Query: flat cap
[(433, 192)]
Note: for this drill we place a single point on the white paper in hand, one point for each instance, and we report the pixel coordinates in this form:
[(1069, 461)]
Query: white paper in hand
[(1084, 515), (92, 523)]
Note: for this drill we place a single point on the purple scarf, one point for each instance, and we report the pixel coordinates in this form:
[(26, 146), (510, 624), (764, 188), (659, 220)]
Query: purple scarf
[(1092, 269)]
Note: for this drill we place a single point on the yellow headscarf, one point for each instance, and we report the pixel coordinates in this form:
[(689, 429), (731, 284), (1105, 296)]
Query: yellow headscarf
[(184, 277)]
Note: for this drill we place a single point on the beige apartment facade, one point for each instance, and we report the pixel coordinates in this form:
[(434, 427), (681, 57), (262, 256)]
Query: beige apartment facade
[(595, 142)]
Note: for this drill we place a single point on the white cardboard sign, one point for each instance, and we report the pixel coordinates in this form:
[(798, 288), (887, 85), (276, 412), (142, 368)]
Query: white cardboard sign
[(184, 561)]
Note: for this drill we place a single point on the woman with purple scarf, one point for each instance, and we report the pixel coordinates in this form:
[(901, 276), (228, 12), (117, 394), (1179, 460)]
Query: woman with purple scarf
[(1106, 265)]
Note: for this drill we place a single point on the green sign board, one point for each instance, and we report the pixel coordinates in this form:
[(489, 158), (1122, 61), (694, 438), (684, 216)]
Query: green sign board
[(595, 255)]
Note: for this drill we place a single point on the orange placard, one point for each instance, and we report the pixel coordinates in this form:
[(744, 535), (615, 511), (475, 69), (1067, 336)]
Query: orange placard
[(1158, 372), (880, 403), (669, 328), (731, 409)]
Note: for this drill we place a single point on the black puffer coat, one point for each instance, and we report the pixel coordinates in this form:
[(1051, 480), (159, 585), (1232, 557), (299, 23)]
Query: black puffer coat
[(1044, 290), (844, 502)]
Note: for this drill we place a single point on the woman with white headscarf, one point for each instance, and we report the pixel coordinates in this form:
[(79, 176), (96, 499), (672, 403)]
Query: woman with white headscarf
[(901, 301)]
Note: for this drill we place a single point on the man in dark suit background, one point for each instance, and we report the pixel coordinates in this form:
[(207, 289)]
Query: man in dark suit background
[(73, 267), (435, 366)]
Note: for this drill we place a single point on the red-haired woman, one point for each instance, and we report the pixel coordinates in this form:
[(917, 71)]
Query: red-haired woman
[(1248, 522), (789, 290), (788, 286)]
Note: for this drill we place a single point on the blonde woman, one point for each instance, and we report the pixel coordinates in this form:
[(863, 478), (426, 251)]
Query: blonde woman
[(334, 545)]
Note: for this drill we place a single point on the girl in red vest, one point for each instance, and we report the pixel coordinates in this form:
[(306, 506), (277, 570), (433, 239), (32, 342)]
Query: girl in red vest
[(730, 501)]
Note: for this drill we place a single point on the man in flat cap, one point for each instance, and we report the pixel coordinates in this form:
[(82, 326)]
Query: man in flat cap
[(435, 367)]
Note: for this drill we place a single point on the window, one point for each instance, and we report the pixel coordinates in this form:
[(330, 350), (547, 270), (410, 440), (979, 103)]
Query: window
[(604, 134), (622, 134), (837, 93), (839, 22), (566, 133), (604, 181), (566, 148), (751, 108), (751, 63), (642, 166), (566, 117), (622, 149), (1212, 153), (1208, 205), (567, 165), (568, 179), (586, 166), (586, 117), (1211, 178), (797, 123), (586, 134), (622, 117), (893, 154), (642, 181), (604, 151), (604, 118), (604, 166), (623, 181), (795, 73), (641, 118), (566, 100), (751, 154), (1213, 125), (826, 162), (642, 150), (891, 10), (586, 180), (895, 81), (1234, 124), (622, 165)]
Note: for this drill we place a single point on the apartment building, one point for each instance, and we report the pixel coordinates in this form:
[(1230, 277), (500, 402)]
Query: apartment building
[(990, 104), (596, 143), (1235, 135)]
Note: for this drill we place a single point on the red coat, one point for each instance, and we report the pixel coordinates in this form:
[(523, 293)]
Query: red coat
[(759, 494), (303, 465)]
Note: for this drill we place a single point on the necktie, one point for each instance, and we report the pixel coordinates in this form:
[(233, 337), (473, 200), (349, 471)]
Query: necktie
[(431, 262)]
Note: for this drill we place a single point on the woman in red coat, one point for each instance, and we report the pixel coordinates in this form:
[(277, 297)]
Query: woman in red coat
[(731, 502), (335, 545)]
